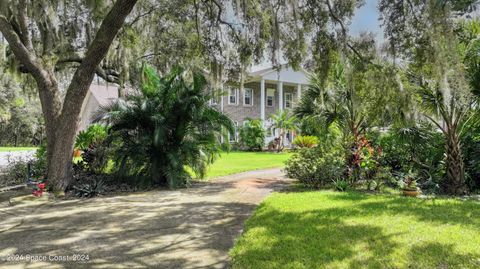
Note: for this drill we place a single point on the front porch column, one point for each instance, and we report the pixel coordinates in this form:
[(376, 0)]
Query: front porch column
[(262, 100), (280, 95), (299, 92)]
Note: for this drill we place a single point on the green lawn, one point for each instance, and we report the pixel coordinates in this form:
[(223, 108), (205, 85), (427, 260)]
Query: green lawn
[(236, 162), (329, 229), (5, 149)]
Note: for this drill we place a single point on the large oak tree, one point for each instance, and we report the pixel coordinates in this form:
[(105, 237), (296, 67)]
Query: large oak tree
[(31, 29), (50, 40)]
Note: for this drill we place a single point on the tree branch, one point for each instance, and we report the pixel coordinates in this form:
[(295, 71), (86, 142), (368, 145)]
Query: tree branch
[(97, 50), (109, 74), (344, 31), (221, 21), (137, 18), (23, 25), (21, 52)]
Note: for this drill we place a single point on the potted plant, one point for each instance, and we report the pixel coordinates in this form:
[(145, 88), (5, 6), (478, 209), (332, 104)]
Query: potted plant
[(410, 186)]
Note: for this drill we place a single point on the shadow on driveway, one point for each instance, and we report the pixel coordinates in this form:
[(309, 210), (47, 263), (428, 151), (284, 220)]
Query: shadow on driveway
[(189, 228)]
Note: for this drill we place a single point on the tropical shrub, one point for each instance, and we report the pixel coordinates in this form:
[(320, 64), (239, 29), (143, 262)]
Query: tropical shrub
[(470, 141), (363, 163), (94, 134), (415, 149), (166, 127), (307, 141), (316, 167), (340, 184), (95, 149), (382, 177), (252, 135), (95, 158), (89, 189), (345, 104)]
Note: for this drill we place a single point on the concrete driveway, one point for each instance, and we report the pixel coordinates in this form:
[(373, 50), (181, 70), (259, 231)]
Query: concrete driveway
[(189, 228)]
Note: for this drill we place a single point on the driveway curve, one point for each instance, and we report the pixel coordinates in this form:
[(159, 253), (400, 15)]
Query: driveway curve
[(188, 228)]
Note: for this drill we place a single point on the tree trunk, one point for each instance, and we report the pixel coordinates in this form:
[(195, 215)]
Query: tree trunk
[(61, 119), (60, 165), (455, 175)]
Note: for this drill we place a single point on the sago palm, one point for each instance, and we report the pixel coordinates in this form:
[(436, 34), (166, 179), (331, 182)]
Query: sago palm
[(167, 126)]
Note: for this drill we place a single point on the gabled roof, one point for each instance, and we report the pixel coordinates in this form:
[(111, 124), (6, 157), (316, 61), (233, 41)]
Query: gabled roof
[(266, 71), (285, 74)]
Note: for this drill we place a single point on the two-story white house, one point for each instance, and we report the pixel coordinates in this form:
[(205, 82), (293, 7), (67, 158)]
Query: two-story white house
[(265, 91)]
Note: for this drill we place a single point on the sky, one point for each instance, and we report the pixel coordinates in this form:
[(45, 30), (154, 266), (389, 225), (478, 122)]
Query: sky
[(366, 19)]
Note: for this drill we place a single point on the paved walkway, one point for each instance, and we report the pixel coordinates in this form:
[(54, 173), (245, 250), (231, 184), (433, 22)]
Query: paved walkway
[(189, 228)]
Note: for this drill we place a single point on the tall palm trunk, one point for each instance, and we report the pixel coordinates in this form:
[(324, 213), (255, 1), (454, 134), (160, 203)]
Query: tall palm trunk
[(455, 174)]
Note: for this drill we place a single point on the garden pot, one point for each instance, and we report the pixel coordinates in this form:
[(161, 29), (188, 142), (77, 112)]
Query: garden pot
[(411, 193), (77, 153)]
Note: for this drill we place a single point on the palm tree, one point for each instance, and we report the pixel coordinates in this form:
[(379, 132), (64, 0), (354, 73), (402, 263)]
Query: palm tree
[(448, 110), (167, 126), (335, 104), (285, 122)]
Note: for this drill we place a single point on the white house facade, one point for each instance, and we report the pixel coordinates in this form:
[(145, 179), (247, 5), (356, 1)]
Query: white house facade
[(264, 92)]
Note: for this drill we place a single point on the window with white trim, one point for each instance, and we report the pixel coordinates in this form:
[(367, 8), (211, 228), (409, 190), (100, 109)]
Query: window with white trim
[(247, 97), (270, 102), (288, 100), (232, 96)]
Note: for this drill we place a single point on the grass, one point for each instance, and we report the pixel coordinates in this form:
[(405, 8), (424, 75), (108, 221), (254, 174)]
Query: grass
[(329, 229), (231, 163), (7, 149), (237, 162)]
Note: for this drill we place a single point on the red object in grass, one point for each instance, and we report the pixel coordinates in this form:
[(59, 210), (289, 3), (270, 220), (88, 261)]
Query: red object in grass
[(41, 186), (37, 193)]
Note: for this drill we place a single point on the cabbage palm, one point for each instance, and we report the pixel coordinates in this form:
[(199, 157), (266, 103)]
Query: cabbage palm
[(166, 126), (323, 106), (448, 110)]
